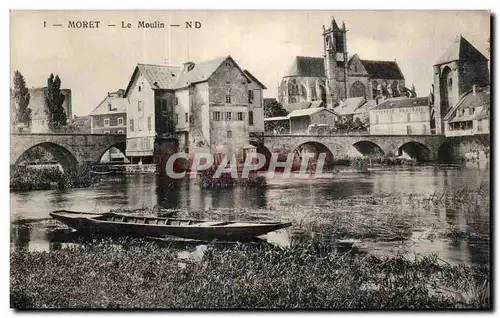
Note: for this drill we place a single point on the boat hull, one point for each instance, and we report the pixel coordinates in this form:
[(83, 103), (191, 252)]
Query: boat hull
[(227, 231)]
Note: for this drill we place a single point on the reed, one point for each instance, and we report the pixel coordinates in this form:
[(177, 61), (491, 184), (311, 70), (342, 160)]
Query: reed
[(303, 276)]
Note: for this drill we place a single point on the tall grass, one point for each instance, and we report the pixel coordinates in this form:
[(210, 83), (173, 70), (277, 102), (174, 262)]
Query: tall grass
[(301, 277), (26, 179)]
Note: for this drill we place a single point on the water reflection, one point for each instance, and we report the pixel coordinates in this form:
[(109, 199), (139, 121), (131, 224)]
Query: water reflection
[(280, 200)]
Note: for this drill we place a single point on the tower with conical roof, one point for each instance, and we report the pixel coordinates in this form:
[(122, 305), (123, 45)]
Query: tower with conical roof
[(458, 69), (335, 54)]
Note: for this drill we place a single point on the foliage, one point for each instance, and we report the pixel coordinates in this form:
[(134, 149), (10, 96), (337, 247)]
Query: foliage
[(26, 179), (304, 276), (347, 123), (54, 100), (22, 99), (272, 108)]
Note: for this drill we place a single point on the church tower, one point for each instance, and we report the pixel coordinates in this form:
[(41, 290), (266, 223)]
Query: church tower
[(335, 54)]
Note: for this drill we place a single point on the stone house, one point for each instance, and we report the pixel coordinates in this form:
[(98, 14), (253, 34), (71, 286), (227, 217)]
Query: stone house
[(401, 116), (206, 106), (110, 116), (471, 115), (316, 120)]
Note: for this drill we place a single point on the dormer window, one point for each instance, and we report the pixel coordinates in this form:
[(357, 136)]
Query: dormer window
[(139, 88)]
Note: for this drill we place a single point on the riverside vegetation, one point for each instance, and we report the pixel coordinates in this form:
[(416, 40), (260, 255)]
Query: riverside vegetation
[(26, 179), (310, 273)]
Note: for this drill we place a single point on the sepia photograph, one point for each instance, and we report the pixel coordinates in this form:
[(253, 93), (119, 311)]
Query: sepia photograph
[(210, 159)]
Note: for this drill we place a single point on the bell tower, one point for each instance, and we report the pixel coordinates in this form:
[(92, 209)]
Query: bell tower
[(335, 54)]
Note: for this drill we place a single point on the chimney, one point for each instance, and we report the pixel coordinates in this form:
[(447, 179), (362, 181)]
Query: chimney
[(474, 89), (188, 66)]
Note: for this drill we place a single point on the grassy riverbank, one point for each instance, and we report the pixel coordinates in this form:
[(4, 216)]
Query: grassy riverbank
[(303, 276), (312, 273), (26, 179)]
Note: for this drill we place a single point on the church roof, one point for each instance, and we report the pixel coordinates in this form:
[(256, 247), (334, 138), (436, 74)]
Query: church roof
[(461, 49), (383, 69), (307, 66)]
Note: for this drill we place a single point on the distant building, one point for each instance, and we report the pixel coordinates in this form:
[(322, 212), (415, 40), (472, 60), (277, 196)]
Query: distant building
[(401, 116), (336, 76), (314, 120), (455, 73), (208, 106), (471, 115), (110, 116)]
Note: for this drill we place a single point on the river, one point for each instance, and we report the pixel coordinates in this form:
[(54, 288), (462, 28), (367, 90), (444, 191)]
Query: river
[(298, 201)]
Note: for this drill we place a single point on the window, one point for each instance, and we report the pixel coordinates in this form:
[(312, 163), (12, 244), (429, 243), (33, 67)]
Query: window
[(106, 122), (471, 111), (228, 115), (120, 121), (149, 123), (176, 119), (176, 101), (140, 123), (217, 116), (110, 107), (250, 118), (408, 130), (139, 106), (163, 105), (131, 125), (376, 119), (408, 117), (186, 118), (229, 134), (250, 96), (228, 99), (139, 88), (240, 116), (450, 82), (479, 125)]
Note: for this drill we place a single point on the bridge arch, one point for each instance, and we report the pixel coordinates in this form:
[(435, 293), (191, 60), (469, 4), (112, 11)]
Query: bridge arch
[(446, 153), (262, 149), (313, 148), (61, 154), (121, 146), (368, 148), (415, 150)]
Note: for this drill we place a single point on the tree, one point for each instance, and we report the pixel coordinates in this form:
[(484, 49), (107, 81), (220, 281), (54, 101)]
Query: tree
[(272, 108), (22, 99), (54, 100)]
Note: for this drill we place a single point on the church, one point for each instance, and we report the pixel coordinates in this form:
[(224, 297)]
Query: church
[(336, 76)]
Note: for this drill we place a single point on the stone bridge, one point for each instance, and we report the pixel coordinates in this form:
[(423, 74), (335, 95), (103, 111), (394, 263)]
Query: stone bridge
[(69, 150), (420, 147)]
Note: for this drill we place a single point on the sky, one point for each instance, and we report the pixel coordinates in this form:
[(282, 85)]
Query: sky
[(92, 62)]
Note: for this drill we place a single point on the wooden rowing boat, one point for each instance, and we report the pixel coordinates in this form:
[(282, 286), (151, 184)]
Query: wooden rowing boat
[(116, 223)]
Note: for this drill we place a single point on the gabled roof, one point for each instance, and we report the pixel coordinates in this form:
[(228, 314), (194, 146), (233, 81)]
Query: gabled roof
[(309, 112), (461, 49), (254, 79), (158, 76), (468, 100), (202, 71), (383, 69), (307, 66), (119, 103), (402, 102), (349, 105)]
